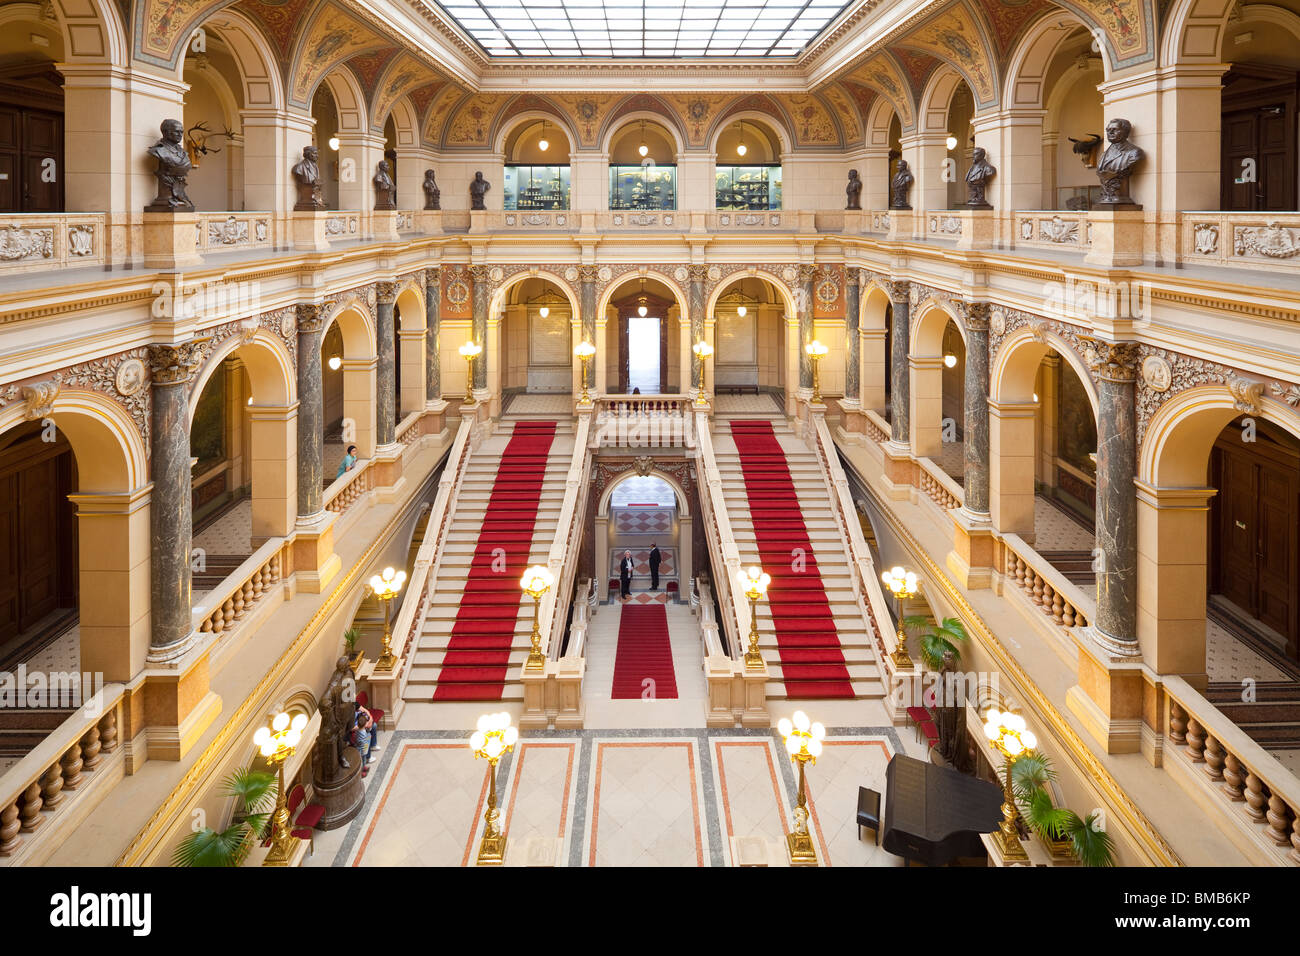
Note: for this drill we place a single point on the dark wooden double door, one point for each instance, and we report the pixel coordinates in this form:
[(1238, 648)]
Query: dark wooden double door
[(31, 160), (1258, 161), (38, 545), (1255, 529)]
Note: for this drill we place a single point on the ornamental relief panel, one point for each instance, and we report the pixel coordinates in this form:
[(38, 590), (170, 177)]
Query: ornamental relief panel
[(1003, 322)]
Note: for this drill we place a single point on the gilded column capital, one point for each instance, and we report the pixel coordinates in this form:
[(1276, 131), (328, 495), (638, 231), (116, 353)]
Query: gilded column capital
[(311, 316), (807, 273), (588, 273), (1112, 361), (432, 276), (698, 273), (900, 290), (175, 364), (480, 274), (977, 316), (386, 292)]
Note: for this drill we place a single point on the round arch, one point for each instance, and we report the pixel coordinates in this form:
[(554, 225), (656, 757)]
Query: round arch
[(1027, 69), (110, 451), (667, 122), (406, 123), (92, 32), (1175, 451), (931, 318), (1011, 376), (683, 502), (263, 87), (1194, 31), (271, 371), (349, 100), (497, 302), (410, 306), (356, 326), (879, 119), (679, 294), (937, 97), (782, 290), (512, 121), (757, 118)]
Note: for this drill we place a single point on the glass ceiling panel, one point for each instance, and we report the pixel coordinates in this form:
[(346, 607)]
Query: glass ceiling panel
[(643, 28)]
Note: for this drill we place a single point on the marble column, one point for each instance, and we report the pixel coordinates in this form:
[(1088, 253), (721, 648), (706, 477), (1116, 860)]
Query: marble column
[(900, 389), (386, 370), (975, 481), (698, 274), (804, 305), (587, 302), (481, 277), (311, 411), (171, 524), (432, 358), (1115, 364), (852, 338)]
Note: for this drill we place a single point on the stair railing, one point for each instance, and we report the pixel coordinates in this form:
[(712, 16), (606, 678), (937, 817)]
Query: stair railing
[(563, 556), (721, 540)]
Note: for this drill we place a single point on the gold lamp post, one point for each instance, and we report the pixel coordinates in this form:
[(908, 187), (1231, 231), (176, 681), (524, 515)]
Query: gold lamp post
[(536, 581), (277, 743), (470, 351), (585, 351), (803, 742), (493, 739), (815, 352), (754, 583), (386, 587), (703, 350), (904, 585), (1006, 731)]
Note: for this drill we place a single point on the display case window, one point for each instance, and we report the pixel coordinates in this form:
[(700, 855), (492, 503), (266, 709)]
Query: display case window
[(643, 187), (537, 187), (748, 187)]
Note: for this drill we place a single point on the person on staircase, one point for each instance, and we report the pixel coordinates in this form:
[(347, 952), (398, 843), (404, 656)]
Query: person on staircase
[(655, 560), (625, 575)]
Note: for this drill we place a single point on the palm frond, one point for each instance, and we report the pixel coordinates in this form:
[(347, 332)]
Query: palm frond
[(251, 788), (1092, 845), (208, 847), (1030, 772)]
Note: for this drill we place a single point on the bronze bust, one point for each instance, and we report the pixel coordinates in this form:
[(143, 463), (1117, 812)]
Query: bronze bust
[(173, 167), (307, 176), (977, 179), (900, 185), (854, 190), (432, 194), (1117, 165), (478, 188), (385, 189)]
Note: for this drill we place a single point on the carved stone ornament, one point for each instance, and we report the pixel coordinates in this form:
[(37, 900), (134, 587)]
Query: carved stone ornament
[(1246, 394), (1206, 235), (496, 274), (81, 240), (997, 321), (681, 274), (977, 316), (386, 292), (643, 465), (40, 397), (1271, 240), (1156, 373), (311, 317), (571, 274), (1058, 230), (789, 274), (604, 274), (18, 243), (1112, 361), (175, 364), (130, 377)]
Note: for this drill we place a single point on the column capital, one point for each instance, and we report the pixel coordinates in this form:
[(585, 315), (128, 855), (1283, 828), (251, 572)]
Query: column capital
[(386, 292), (432, 276), (900, 290), (807, 272), (311, 316), (977, 316), (1112, 361), (698, 273), (480, 273), (588, 273), (176, 364)]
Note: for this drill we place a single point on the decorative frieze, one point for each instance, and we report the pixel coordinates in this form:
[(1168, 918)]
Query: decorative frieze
[(18, 243)]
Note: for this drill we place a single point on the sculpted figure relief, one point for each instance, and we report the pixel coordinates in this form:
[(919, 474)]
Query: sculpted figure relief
[(307, 175), (478, 188), (432, 194), (854, 190), (977, 179), (1117, 165), (173, 167), (899, 187)]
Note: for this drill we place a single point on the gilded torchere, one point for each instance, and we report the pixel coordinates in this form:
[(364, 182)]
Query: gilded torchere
[(702, 350), (584, 351), (493, 739), (803, 742), (904, 585), (1006, 731), (470, 351), (386, 587), (754, 584), (816, 352), (536, 581), (277, 744)]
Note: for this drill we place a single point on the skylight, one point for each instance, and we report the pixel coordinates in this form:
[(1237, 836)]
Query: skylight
[(643, 28)]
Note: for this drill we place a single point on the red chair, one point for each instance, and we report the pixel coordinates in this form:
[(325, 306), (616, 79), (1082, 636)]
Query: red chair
[(930, 730), (305, 823), (364, 700)]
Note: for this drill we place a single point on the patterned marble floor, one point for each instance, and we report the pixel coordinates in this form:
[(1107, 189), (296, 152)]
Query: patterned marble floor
[(952, 459), (612, 798), (232, 533), (1228, 659), (742, 404), (524, 404), (1054, 530)]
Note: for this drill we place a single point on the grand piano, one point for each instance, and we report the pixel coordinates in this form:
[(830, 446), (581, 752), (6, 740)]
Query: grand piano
[(935, 815)]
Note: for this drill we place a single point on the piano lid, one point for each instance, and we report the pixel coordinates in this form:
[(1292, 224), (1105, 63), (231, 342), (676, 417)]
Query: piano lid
[(934, 814)]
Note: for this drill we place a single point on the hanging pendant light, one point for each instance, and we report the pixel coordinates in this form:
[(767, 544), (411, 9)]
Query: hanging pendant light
[(643, 149), (543, 144), (742, 149), (641, 308)]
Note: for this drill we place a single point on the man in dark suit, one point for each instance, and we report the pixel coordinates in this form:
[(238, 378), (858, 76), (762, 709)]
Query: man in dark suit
[(655, 559), (625, 575)]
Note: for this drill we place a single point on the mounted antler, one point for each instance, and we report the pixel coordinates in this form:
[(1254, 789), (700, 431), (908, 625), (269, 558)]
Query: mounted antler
[(1083, 148)]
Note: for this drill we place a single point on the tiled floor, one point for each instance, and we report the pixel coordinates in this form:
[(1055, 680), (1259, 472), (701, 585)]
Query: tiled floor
[(1228, 659), (643, 490), (611, 798), (232, 533), (541, 405), (1054, 530), (952, 459), (742, 404), (643, 520)]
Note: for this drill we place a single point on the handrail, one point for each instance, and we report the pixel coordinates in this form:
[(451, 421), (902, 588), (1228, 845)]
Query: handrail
[(583, 609), (643, 421), (702, 598), (562, 559), (435, 535), (347, 488), (223, 607), (722, 542), (1049, 590), (939, 486)]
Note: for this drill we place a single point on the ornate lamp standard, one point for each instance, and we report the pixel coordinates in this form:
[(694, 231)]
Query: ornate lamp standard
[(585, 351), (815, 352), (469, 352), (703, 350), (493, 739), (386, 587), (536, 581), (277, 743), (904, 585), (803, 742), (1006, 731), (754, 584)]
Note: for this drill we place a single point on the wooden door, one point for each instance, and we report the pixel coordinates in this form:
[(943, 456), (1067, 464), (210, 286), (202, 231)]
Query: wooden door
[(1238, 511), (10, 559), (1279, 489), (1258, 129), (624, 353), (1240, 139), (38, 535), (42, 147), (10, 193)]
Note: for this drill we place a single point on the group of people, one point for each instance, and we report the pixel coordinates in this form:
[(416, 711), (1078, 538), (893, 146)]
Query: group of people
[(365, 736), (627, 566)]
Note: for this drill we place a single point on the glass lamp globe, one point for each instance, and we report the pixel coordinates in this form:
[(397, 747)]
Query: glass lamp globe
[(950, 360), (544, 311), (643, 149), (334, 143), (335, 363), (741, 311), (477, 741), (785, 727), (801, 721), (742, 149), (792, 745)]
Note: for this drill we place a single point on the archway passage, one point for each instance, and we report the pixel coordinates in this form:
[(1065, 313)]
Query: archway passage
[(643, 341), (536, 174), (749, 339), (643, 515), (538, 338), (31, 117)]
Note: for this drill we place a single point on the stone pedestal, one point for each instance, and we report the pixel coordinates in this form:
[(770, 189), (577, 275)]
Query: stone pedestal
[(314, 562), (386, 468), (971, 558), (342, 796), (978, 227), (171, 240), (1117, 237), (1108, 697), (553, 696), (898, 470), (429, 221), (384, 224), (309, 231), (901, 224), (178, 707), (737, 694)]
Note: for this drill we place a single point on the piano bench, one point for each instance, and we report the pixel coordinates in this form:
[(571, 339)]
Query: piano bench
[(869, 812)]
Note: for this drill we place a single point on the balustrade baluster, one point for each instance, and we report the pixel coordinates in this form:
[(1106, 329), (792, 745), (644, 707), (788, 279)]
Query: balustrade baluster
[(90, 757), (9, 829), (1195, 740), (30, 804), (52, 786), (1279, 821), (108, 732), (1177, 723), (72, 767), (1233, 778), (1213, 757), (1295, 838), (1256, 796)]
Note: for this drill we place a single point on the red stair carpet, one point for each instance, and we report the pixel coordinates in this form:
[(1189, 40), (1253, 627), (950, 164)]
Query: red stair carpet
[(478, 653), (643, 651), (812, 663)]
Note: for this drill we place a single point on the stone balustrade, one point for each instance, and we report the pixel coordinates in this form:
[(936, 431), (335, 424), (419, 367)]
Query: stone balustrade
[(31, 242), (937, 485), (224, 608), (1046, 588), (1052, 229), (46, 784), (226, 231), (347, 490), (653, 421), (1260, 240)]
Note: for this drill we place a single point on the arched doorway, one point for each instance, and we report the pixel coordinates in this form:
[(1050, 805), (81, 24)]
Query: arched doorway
[(748, 325), (31, 112), (636, 513), (643, 340), (538, 337)]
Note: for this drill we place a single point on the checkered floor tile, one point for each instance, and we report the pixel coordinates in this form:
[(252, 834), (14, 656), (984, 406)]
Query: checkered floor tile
[(643, 521)]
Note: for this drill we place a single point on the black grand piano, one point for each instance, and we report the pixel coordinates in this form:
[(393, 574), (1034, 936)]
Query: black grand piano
[(933, 814)]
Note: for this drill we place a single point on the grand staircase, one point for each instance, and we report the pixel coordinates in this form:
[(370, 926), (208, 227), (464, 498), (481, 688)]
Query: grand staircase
[(475, 635), (812, 633)]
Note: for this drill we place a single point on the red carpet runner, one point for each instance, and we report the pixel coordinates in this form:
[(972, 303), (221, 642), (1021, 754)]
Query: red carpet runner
[(643, 651), (478, 653), (812, 664)]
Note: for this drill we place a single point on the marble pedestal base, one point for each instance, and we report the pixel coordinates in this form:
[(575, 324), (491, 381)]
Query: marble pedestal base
[(902, 222), (1117, 237), (384, 224), (971, 557), (978, 227), (1108, 698), (429, 220), (309, 231), (314, 562), (171, 240), (898, 470), (343, 797)]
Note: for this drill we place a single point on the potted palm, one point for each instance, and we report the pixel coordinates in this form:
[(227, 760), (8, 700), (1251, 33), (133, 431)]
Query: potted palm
[(1063, 831), (351, 637), (938, 638), (254, 793)]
